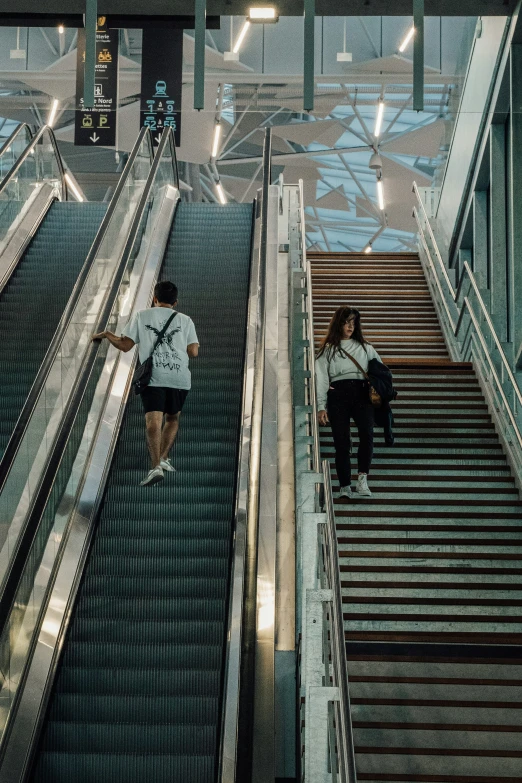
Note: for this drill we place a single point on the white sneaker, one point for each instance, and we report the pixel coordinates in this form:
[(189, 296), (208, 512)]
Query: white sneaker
[(153, 477), (345, 492), (362, 487), (165, 464)]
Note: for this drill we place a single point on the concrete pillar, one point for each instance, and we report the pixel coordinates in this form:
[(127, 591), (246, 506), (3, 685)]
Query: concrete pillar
[(498, 229), (515, 204), (480, 238)]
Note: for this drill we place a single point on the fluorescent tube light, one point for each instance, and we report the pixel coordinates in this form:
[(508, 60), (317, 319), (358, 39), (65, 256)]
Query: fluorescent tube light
[(263, 14), (241, 37), (215, 143), (77, 193), (408, 38), (52, 115), (380, 194), (378, 119), (221, 193)]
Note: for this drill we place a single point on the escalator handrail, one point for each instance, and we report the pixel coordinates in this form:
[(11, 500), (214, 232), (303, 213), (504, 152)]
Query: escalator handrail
[(25, 540), (7, 143), (9, 455), (242, 592), (25, 154)]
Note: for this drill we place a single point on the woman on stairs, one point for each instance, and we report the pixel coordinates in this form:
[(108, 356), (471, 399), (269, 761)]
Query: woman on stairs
[(343, 393)]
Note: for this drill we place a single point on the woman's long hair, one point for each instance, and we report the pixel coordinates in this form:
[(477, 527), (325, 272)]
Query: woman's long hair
[(334, 335)]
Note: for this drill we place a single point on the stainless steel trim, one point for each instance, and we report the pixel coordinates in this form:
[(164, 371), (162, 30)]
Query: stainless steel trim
[(55, 620), (18, 239), (263, 755), (7, 143), (242, 607), (316, 457), (230, 712), (343, 715)]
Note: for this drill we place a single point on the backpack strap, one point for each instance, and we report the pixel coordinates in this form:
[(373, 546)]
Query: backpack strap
[(161, 335)]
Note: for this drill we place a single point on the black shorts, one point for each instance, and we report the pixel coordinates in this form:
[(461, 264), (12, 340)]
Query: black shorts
[(164, 399)]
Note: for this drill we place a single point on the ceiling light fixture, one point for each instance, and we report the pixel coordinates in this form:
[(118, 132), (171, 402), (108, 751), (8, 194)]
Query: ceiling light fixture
[(368, 248), (215, 143), (61, 29), (241, 36), (380, 194), (221, 193), (378, 119), (52, 115), (408, 38), (262, 14), (76, 192)]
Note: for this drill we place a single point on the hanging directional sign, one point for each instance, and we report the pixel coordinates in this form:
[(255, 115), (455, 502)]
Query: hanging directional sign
[(97, 126), (161, 75)]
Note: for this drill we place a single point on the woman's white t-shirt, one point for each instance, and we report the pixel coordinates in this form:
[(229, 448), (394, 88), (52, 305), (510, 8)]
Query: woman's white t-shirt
[(341, 368), (170, 361)]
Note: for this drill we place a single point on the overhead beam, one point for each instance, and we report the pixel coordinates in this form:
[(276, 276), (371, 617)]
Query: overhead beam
[(50, 12), (91, 18), (309, 55), (199, 54), (418, 55)]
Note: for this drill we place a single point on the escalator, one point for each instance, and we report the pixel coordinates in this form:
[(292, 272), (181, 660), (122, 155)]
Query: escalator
[(35, 297), (127, 613), (137, 694)]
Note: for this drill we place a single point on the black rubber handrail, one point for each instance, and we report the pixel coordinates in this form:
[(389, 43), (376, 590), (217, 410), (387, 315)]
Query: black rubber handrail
[(25, 154), (9, 455), (7, 143), (39, 501)]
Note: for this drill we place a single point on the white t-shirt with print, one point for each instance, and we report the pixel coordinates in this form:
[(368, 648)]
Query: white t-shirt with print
[(170, 362)]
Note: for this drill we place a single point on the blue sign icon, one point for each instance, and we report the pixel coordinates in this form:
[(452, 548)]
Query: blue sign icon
[(161, 90)]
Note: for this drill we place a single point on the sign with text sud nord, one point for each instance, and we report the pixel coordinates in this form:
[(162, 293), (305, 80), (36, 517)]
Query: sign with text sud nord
[(97, 126), (161, 79)]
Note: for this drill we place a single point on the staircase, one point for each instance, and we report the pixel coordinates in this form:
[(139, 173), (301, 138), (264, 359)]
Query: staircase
[(431, 564), (137, 698), (35, 297)]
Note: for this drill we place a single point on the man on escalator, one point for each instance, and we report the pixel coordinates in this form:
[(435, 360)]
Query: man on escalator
[(170, 338)]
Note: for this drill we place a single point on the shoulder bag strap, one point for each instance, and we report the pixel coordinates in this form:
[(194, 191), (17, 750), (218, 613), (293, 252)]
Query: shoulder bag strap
[(349, 356), (162, 333)]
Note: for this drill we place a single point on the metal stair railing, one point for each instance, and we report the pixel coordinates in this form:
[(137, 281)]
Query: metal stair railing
[(471, 336), (327, 737)]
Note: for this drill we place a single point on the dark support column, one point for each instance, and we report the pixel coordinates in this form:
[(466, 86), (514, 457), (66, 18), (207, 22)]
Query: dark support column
[(497, 229), (91, 18), (309, 54), (480, 238), (418, 55), (199, 53), (515, 204)]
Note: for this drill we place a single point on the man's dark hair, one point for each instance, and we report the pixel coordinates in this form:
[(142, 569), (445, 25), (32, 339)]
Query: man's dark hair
[(166, 292)]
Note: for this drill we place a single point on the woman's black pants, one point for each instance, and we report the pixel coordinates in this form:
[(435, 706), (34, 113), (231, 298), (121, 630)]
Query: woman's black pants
[(350, 400)]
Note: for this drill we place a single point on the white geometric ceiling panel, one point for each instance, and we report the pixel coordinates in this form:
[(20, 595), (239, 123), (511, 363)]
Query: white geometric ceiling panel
[(308, 132), (333, 200), (423, 141)]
